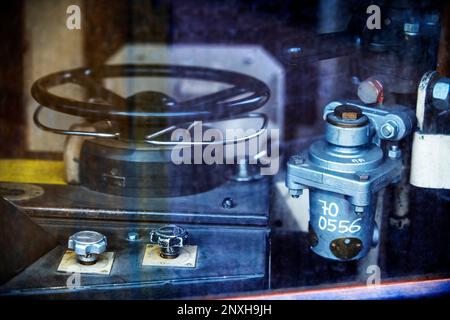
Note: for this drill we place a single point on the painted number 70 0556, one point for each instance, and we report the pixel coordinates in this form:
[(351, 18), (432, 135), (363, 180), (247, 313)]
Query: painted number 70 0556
[(328, 220)]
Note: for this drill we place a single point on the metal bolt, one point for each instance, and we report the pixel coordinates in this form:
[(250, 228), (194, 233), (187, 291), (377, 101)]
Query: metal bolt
[(298, 160), (388, 130), (394, 152), (295, 193), (411, 28), (363, 176), (293, 54), (359, 209), (227, 203), (133, 236)]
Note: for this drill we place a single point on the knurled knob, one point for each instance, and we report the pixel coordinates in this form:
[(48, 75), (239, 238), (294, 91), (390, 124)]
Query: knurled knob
[(170, 238)]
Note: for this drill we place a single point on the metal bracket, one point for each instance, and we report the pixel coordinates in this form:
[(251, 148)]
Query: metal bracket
[(400, 118)]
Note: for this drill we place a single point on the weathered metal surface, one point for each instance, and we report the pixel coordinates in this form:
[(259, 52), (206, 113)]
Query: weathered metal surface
[(251, 205), (22, 241), (220, 234)]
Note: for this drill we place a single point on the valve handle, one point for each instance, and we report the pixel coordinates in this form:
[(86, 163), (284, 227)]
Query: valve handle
[(170, 238), (87, 245)]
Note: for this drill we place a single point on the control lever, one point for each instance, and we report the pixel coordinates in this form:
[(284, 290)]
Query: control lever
[(391, 123)]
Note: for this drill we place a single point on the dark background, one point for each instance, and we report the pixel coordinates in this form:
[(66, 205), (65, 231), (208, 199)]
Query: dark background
[(277, 25)]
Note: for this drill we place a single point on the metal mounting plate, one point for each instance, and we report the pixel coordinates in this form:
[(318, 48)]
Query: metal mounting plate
[(70, 264), (186, 259)]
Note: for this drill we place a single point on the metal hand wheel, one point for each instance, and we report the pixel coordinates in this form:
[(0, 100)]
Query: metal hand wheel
[(150, 108)]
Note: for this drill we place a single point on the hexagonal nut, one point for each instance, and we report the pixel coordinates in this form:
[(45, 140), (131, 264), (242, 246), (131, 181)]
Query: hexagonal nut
[(394, 153), (411, 29), (441, 95), (388, 130), (87, 242)]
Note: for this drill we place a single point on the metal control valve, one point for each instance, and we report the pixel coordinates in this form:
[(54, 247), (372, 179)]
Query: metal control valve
[(170, 238), (87, 245), (344, 172)]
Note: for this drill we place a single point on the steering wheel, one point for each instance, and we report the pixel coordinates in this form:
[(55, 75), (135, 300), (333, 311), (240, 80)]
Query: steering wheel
[(245, 94)]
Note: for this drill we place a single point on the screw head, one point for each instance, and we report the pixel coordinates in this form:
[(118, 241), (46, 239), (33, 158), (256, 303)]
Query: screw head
[(133, 236), (227, 203)]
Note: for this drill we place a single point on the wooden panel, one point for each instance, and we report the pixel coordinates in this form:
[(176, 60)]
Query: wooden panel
[(51, 47)]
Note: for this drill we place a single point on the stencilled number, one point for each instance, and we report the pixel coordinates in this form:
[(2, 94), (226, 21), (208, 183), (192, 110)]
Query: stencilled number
[(330, 224), (345, 226), (332, 209)]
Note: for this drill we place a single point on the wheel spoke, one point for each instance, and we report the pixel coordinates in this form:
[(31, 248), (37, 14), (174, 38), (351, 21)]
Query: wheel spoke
[(97, 90), (213, 97)]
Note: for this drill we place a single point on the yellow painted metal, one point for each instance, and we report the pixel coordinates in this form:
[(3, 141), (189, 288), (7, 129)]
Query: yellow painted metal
[(32, 171)]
